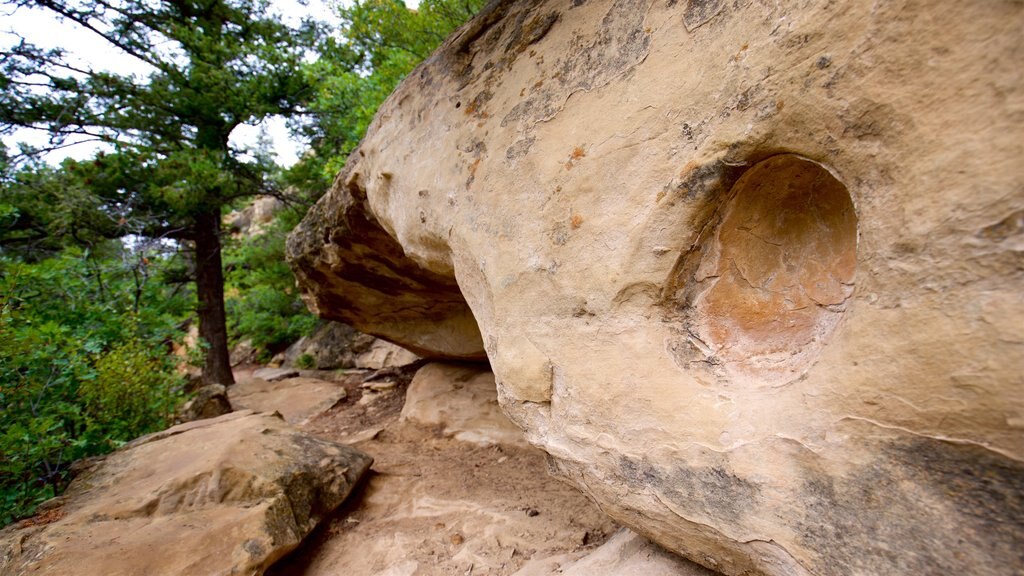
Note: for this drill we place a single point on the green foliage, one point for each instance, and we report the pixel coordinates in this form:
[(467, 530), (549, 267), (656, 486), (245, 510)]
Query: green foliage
[(262, 302), (83, 365), (381, 42), (86, 321), (132, 392), (305, 361), (170, 169)]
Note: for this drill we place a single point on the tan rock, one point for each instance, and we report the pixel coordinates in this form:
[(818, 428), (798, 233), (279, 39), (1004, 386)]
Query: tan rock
[(383, 354), (750, 272), (625, 553), (462, 400), (297, 399), (332, 345), (275, 374), (209, 402), (365, 280), (223, 496)]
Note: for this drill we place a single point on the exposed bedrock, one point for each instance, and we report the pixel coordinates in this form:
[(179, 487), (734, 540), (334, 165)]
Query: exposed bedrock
[(750, 272)]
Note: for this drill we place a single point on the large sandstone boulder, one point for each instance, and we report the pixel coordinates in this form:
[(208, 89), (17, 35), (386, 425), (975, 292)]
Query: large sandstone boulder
[(751, 272), (229, 495)]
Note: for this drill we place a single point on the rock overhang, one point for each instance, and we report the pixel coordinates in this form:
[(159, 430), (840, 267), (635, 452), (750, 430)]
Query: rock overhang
[(740, 382)]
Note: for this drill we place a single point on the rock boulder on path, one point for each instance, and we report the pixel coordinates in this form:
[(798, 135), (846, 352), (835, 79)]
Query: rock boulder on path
[(223, 496), (751, 272), (461, 400)]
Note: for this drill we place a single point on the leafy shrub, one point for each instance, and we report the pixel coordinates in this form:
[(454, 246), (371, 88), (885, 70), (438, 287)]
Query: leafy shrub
[(83, 368), (132, 390), (306, 362), (261, 301)]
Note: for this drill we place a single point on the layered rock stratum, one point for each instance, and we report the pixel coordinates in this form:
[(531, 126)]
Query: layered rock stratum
[(751, 273)]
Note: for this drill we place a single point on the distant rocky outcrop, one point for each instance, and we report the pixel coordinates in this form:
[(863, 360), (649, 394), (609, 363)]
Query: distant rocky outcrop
[(254, 218), (229, 495), (749, 272), (334, 345)]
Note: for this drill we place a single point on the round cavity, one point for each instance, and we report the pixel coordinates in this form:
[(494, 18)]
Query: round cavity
[(780, 268)]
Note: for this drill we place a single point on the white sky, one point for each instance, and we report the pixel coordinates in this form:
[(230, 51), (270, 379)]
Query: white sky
[(44, 30)]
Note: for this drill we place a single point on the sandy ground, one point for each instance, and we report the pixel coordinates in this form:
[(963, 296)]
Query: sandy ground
[(433, 505)]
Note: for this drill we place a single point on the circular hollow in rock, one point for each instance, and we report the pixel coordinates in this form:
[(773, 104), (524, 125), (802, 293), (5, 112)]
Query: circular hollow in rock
[(779, 270)]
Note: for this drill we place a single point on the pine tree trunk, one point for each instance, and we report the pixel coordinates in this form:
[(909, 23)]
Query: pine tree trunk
[(210, 291)]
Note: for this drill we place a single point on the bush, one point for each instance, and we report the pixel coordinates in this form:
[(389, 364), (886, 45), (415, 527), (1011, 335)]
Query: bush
[(83, 368), (306, 362), (261, 301)]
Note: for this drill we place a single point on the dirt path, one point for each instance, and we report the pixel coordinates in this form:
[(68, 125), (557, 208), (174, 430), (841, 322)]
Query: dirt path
[(434, 505)]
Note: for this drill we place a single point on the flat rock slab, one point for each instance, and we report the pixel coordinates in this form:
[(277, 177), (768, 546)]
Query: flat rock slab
[(275, 374), (463, 400), (383, 354), (297, 399), (624, 553), (228, 495)]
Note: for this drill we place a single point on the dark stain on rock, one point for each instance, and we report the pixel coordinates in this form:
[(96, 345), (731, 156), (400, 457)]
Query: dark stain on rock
[(700, 490), (705, 182), (639, 472), (519, 149), (924, 506), (699, 12), (531, 32), (1008, 227), (475, 108), (716, 491), (590, 62), (868, 120), (253, 548)]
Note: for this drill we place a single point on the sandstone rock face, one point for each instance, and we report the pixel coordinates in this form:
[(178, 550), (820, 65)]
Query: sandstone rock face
[(229, 495), (625, 553), (332, 345), (750, 272), (383, 354), (461, 400), (353, 271)]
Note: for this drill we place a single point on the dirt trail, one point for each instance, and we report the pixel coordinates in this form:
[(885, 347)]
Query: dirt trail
[(434, 505)]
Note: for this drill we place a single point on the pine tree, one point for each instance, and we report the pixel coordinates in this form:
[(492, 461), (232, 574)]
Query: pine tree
[(214, 64)]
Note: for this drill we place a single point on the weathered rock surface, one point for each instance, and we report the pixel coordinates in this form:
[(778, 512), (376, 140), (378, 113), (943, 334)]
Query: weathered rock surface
[(209, 402), (296, 399), (362, 277), (461, 399), (750, 272), (275, 374), (332, 345), (434, 505), (229, 495), (624, 554), (382, 354)]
